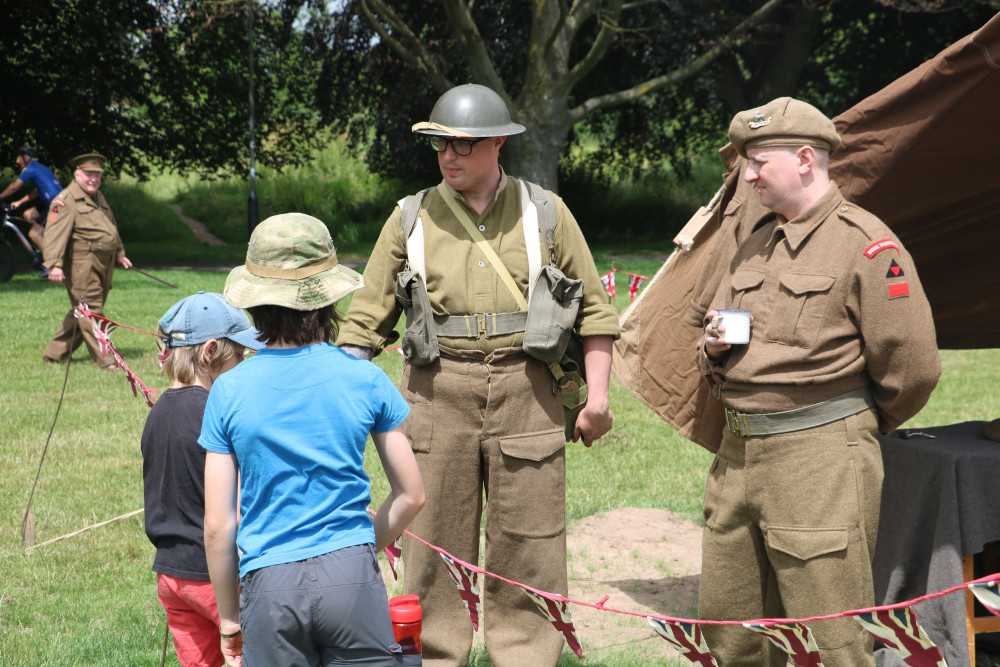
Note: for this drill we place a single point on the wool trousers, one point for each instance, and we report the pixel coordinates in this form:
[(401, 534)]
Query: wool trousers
[(88, 278), (790, 526), (487, 425)]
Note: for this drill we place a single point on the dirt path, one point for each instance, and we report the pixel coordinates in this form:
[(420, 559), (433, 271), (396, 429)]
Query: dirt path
[(198, 227)]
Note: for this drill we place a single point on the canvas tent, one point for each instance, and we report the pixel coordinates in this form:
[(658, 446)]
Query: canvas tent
[(923, 154)]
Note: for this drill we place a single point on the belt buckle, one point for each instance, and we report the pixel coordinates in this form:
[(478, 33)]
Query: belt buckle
[(736, 422), (480, 325)]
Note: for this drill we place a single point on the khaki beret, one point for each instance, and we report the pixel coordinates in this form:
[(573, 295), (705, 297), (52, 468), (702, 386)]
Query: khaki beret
[(88, 162), (783, 122)]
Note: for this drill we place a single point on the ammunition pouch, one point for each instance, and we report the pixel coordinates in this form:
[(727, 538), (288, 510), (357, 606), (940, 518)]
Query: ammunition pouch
[(419, 342), (555, 302)]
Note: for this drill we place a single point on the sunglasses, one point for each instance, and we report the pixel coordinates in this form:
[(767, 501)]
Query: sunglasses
[(462, 147)]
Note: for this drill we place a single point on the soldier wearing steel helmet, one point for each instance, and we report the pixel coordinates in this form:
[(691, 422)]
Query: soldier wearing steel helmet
[(842, 346), (486, 416)]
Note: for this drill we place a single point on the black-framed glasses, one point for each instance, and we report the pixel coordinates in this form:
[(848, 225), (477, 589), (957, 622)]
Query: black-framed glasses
[(462, 147)]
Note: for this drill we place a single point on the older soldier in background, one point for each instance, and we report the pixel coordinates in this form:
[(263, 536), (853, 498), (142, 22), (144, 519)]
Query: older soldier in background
[(842, 346), (81, 246)]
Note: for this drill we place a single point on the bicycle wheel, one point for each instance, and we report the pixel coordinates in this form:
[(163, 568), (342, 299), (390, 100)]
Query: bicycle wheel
[(8, 261)]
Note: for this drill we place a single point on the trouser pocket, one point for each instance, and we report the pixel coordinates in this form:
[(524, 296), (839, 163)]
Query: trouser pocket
[(529, 484)]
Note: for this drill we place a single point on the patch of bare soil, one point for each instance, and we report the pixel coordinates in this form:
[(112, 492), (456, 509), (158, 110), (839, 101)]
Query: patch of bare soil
[(647, 561)]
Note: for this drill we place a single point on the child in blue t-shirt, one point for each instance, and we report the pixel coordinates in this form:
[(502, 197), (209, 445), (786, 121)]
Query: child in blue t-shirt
[(205, 337), (296, 576)]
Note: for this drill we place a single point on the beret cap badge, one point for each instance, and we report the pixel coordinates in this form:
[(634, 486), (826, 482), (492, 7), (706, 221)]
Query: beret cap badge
[(759, 121)]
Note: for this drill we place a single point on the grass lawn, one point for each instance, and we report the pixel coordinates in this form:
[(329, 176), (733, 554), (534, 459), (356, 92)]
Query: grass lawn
[(91, 599)]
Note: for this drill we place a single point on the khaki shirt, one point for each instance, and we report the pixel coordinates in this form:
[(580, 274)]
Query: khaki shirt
[(837, 305), (460, 278), (75, 217)]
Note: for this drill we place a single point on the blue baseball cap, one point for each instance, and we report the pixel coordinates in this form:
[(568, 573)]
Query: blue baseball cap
[(204, 316)]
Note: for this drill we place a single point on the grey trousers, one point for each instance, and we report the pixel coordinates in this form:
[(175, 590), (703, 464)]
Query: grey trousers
[(790, 526), (319, 612)]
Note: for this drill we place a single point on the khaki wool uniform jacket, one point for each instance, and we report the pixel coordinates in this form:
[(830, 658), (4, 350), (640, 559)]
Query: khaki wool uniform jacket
[(461, 281), (81, 238), (832, 311), (791, 518), (485, 420)]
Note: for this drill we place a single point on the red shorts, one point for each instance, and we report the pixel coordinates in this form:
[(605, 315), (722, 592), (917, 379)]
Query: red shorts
[(193, 619)]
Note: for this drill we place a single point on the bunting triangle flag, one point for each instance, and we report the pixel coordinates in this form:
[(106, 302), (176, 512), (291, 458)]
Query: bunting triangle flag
[(102, 330), (558, 614), (686, 638), (988, 595), (393, 552), (634, 282), (467, 581), (795, 639), (898, 630), (608, 280)]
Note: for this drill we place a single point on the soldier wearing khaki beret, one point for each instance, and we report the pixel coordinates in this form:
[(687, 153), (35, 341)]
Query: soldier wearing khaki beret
[(81, 247), (842, 346)]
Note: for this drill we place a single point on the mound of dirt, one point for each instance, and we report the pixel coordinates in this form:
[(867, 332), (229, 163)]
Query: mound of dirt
[(647, 561)]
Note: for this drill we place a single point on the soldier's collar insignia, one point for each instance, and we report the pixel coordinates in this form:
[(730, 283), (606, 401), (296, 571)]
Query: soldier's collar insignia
[(759, 121)]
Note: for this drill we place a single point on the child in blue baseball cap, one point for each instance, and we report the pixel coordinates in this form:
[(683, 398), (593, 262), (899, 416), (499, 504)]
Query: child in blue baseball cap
[(205, 337)]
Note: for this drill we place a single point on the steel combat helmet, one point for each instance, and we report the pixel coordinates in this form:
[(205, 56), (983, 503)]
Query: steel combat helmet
[(469, 110)]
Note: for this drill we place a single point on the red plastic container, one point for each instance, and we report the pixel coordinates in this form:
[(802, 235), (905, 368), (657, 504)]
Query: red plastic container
[(406, 615)]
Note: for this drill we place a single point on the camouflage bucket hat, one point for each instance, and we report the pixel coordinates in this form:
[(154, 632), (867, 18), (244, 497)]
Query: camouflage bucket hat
[(291, 262)]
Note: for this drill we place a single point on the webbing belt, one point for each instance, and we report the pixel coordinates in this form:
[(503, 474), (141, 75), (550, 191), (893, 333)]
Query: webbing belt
[(480, 324), (800, 419)]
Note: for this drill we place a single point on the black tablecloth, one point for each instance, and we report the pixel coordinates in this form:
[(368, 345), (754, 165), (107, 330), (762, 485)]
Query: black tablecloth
[(940, 502)]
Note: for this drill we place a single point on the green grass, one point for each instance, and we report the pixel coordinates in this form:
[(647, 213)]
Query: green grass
[(91, 599)]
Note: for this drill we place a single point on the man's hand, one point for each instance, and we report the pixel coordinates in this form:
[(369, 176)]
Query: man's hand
[(56, 275), (593, 422), (715, 345), (125, 262)]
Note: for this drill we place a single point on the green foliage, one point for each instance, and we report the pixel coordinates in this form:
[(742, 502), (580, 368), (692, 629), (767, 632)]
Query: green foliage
[(332, 186), (67, 67)]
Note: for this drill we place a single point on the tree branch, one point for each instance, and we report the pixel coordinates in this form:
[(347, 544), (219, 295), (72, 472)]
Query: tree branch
[(609, 30), (467, 33), (652, 85), (412, 51)]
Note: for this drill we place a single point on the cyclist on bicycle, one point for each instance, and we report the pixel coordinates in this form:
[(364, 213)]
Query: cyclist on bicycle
[(34, 206)]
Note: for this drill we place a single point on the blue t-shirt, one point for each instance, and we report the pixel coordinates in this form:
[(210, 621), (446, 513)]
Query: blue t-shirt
[(297, 420), (42, 178)]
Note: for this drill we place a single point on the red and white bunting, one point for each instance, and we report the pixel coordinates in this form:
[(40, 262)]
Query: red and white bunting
[(899, 631), (686, 638), (467, 581), (558, 614), (795, 639)]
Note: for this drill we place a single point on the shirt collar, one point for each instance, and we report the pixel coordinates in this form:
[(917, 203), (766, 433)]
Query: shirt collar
[(799, 229)]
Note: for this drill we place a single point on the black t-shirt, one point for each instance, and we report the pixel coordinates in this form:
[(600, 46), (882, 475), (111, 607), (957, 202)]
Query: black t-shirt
[(173, 477)]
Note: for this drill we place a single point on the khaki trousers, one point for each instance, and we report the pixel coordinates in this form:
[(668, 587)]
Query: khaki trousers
[(790, 526), (88, 278), (487, 423)]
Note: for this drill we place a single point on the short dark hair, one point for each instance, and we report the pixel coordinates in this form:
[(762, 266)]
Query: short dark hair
[(298, 327), (25, 149)]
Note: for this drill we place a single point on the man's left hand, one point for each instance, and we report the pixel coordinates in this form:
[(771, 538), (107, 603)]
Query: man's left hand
[(592, 423)]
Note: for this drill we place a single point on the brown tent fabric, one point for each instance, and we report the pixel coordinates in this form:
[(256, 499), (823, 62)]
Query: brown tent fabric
[(923, 154)]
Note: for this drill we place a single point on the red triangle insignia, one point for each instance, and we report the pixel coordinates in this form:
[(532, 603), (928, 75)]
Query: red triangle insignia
[(895, 270)]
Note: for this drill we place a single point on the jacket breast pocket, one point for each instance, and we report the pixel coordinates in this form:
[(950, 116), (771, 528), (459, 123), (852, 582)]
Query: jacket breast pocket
[(800, 308), (742, 282)]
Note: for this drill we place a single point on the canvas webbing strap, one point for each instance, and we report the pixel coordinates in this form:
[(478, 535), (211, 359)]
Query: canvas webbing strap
[(474, 326), (800, 419), (483, 246)]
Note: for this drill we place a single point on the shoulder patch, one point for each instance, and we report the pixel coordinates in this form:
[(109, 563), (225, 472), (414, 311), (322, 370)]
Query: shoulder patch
[(879, 246), (897, 290)]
